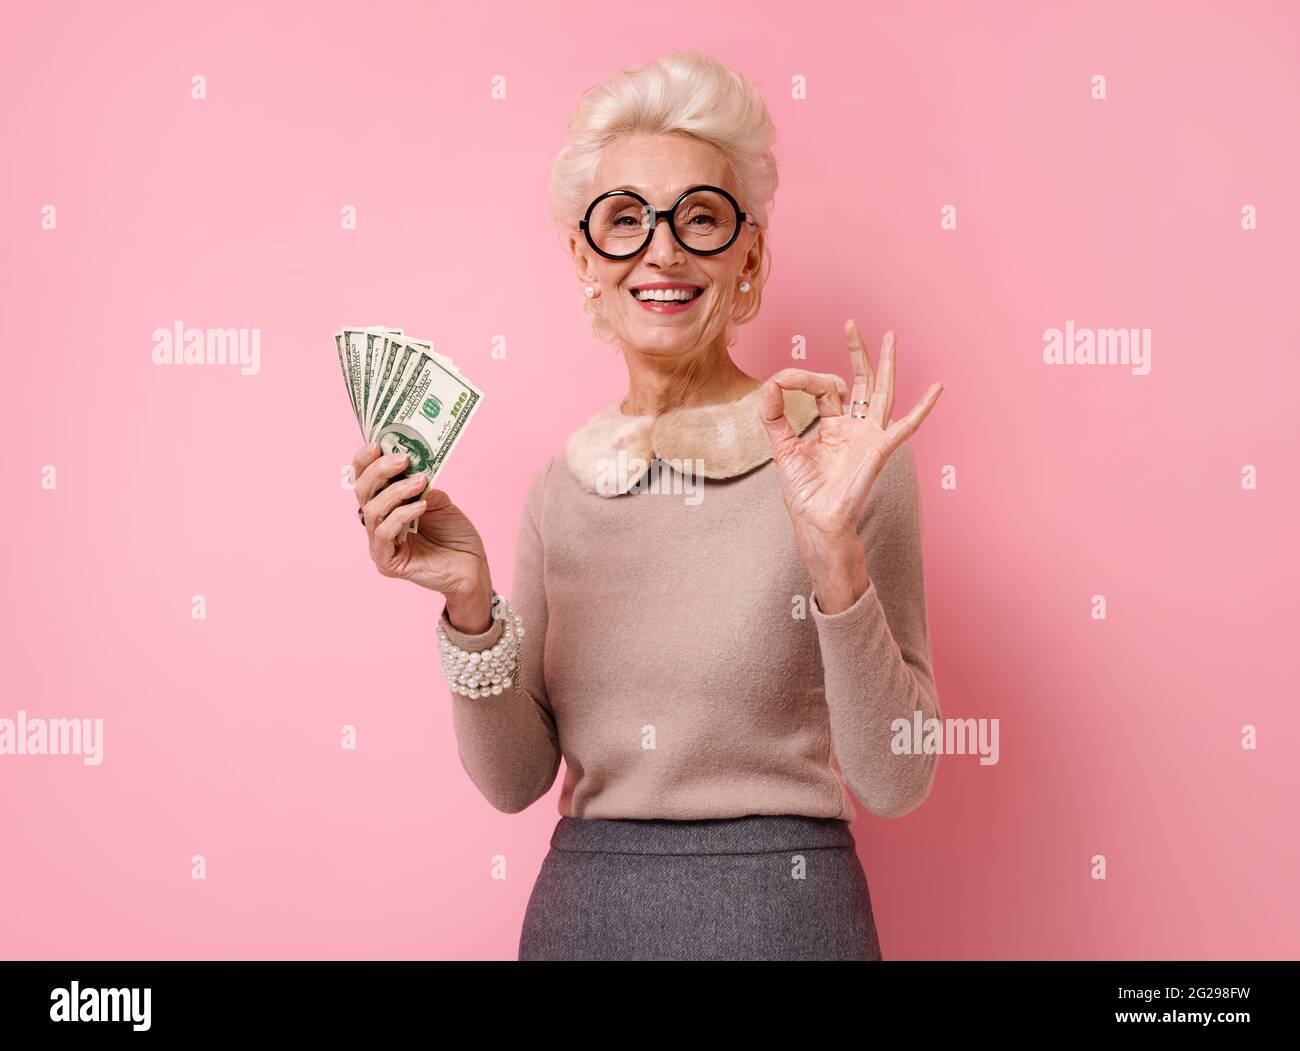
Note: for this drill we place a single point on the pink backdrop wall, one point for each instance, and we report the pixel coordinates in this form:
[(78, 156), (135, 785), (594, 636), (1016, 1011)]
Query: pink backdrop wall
[(1119, 737)]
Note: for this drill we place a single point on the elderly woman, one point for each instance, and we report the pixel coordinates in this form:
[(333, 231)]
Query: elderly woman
[(709, 668)]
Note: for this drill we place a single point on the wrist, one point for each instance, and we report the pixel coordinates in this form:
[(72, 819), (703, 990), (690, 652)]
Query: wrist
[(838, 568), (469, 608)]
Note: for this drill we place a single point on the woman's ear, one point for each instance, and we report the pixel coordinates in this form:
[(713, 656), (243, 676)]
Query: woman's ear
[(582, 259), (755, 255), (753, 264)]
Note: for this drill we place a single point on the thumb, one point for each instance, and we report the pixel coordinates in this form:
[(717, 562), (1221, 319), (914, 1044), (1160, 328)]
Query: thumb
[(438, 500)]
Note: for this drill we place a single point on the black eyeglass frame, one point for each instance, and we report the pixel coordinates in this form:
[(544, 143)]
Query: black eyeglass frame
[(655, 214)]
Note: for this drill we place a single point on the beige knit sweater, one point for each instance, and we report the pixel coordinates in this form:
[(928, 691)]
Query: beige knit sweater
[(673, 655)]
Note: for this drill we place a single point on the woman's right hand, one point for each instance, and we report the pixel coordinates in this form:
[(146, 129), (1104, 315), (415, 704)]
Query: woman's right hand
[(446, 554)]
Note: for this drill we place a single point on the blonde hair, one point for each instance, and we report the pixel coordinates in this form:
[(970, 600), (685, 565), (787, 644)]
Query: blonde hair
[(684, 93)]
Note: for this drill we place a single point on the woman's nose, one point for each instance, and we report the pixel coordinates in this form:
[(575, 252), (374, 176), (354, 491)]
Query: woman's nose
[(663, 247)]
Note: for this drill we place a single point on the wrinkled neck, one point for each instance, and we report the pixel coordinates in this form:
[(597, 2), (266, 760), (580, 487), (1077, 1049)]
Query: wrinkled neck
[(656, 386)]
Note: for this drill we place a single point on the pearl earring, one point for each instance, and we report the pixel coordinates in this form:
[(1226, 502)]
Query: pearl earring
[(744, 286), (590, 291)]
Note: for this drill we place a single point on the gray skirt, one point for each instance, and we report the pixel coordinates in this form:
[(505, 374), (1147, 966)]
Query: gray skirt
[(760, 887)]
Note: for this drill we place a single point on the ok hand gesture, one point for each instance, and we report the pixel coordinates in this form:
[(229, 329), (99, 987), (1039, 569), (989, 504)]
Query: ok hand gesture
[(825, 479)]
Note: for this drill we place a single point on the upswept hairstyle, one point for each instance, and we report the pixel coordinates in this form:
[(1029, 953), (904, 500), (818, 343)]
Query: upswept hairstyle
[(683, 93)]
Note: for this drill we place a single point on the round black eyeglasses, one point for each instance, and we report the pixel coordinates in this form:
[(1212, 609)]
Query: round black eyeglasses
[(705, 220)]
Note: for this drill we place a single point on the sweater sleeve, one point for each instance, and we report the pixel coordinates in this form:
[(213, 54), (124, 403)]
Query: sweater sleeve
[(508, 744), (876, 654)]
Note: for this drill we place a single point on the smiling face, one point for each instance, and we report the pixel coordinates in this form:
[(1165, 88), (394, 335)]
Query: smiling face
[(667, 302)]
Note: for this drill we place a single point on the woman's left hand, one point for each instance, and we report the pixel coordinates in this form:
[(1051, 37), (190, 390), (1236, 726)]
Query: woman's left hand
[(825, 479)]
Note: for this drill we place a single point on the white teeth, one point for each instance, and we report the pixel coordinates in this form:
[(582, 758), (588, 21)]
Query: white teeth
[(667, 295)]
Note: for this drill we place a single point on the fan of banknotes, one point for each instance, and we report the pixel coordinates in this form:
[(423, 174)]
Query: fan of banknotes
[(406, 396)]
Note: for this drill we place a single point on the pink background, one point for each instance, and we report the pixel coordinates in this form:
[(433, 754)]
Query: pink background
[(222, 737)]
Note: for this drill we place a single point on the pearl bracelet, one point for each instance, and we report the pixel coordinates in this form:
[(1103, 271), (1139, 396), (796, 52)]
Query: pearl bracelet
[(490, 672)]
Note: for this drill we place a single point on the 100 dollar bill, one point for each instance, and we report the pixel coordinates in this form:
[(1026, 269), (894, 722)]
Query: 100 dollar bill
[(424, 409)]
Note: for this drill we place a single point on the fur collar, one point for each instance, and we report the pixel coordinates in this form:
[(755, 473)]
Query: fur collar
[(611, 451)]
